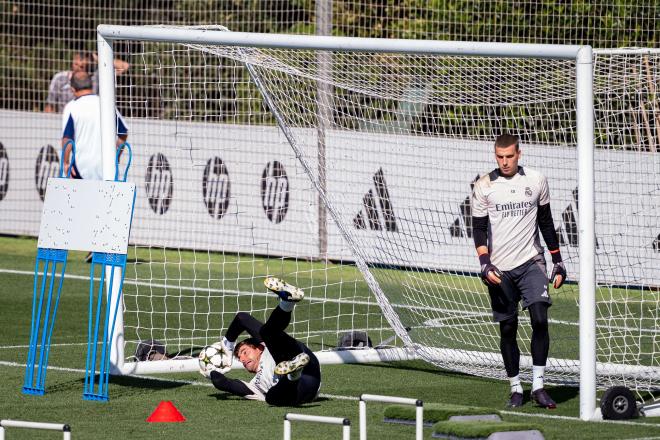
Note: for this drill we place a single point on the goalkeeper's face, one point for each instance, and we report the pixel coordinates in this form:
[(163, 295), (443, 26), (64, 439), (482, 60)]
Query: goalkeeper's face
[(507, 159), (250, 356)]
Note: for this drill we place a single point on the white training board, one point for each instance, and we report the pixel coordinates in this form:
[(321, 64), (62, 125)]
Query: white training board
[(87, 215)]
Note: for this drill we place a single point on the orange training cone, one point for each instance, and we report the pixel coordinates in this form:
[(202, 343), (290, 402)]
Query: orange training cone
[(166, 412)]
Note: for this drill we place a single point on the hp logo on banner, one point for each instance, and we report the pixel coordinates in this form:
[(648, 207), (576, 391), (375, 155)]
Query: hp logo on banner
[(48, 165), (216, 188), (275, 191), (158, 183), (4, 172)]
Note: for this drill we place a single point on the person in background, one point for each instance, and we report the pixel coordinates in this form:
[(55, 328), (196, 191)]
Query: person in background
[(60, 92)]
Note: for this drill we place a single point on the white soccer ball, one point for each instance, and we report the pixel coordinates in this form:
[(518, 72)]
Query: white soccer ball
[(214, 357)]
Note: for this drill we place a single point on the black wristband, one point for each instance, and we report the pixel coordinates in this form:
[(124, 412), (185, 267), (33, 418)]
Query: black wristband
[(484, 259), (556, 256)]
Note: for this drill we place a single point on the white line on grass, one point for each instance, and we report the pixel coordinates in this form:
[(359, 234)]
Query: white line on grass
[(430, 323), (194, 383), (334, 396), (3, 347), (68, 370), (195, 289), (436, 322)]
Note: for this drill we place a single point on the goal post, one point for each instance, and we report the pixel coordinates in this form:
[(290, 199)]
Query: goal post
[(396, 210)]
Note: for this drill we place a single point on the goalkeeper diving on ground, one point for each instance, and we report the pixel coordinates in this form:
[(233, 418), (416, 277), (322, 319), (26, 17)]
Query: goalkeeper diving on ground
[(286, 372)]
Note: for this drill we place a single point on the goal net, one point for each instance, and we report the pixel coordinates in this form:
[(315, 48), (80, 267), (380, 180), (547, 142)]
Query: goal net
[(348, 173)]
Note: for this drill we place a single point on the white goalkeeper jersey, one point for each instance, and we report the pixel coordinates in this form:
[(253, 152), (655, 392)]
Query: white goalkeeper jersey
[(511, 204), (264, 379)]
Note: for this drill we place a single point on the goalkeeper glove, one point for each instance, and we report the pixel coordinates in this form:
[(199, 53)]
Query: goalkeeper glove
[(227, 355), (215, 357), (490, 274), (558, 275)]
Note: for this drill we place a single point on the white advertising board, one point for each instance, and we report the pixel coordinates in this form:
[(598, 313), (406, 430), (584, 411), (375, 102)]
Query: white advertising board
[(87, 215), (403, 198)]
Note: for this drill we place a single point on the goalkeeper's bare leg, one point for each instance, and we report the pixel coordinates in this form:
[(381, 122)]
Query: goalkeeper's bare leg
[(298, 367)]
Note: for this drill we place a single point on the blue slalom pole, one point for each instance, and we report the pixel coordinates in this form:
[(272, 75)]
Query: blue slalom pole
[(92, 390), (43, 319)]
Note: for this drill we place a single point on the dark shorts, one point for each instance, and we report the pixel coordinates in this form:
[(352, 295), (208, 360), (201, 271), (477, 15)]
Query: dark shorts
[(528, 282), (304, 390)]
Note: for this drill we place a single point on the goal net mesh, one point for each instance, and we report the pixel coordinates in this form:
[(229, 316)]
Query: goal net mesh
[(349, 175)]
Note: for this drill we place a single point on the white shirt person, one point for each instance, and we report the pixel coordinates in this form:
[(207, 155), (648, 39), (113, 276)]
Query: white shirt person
[(81, 122)]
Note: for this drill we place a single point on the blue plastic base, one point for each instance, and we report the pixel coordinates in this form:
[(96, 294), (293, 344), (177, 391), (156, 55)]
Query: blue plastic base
[(34, 391), (97, 397)]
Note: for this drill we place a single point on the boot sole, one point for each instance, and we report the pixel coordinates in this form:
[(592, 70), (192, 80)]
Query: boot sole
[(295, 364), (276, 285)]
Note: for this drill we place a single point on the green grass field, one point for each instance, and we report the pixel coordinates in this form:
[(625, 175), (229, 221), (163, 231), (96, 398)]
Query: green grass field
[(211, 413)]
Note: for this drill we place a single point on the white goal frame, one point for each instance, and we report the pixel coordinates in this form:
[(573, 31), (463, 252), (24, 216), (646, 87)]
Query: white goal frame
[(582, 55)]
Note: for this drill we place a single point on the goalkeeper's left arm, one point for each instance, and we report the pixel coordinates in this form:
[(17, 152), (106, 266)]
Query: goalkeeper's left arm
[(547, 227), (233, 386)]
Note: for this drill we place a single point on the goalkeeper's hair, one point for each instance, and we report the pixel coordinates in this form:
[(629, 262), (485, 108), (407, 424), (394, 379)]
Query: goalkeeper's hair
[(504, 140), (252, 342)]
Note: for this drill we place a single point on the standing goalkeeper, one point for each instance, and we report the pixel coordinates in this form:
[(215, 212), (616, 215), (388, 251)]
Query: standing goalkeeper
[(509, 206), (286, 372)]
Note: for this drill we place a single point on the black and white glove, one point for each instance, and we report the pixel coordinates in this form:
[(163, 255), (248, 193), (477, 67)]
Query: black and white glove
[(215, 357), (558, 275), (490, 274), (228, 354)]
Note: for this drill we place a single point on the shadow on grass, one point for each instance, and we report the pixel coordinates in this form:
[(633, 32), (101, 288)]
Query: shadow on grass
[(420, 366), (142, 382), (69, 385), (559, 394), (225, 396), (230, 397)]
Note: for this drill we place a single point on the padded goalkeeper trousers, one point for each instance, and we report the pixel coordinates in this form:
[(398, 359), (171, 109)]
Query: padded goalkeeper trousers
[(283, 347)]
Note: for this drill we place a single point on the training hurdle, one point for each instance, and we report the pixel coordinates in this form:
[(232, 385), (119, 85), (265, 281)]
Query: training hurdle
[(66, 430), (290, 417), (419, 414)]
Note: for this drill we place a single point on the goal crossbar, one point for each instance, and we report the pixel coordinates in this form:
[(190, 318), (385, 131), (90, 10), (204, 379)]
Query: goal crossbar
[(340, 44)]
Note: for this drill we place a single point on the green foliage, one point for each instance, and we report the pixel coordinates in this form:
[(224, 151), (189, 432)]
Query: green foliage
[(618, 23), (39, 37)]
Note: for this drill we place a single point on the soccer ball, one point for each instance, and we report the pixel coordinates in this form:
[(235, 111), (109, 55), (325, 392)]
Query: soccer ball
[(214, 357)]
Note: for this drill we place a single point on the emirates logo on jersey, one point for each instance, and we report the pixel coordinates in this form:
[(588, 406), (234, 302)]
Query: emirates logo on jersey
[(514, 209)]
